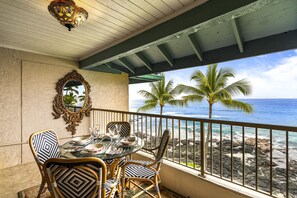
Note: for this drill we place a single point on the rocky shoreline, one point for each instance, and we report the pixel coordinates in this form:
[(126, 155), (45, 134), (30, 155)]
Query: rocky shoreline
[(263, 160)]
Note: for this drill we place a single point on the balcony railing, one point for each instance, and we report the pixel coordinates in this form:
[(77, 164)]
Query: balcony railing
[(257, 156)]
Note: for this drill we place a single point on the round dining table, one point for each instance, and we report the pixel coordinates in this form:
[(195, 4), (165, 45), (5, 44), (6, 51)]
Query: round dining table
[(106, 149)]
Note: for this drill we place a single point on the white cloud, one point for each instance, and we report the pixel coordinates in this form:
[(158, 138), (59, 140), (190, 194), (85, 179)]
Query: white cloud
[(279, 81), (268, 79), (133, 90)]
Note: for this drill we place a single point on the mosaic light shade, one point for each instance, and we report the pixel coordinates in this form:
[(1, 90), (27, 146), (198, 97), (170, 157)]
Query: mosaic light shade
[(67, 13)]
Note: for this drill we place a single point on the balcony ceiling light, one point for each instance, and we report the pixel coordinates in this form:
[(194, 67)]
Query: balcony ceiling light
[(67, 13)]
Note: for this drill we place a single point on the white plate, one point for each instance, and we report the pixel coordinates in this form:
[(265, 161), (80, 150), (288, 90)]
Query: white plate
[(126, 142), (81, 140), (94, 147)]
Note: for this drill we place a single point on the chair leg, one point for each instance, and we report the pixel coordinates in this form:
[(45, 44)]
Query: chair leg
[(159, 182), (123, 183), (41, 188), (157, 187)]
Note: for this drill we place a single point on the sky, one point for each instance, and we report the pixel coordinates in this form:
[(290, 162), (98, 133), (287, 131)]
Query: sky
[(271, 75)]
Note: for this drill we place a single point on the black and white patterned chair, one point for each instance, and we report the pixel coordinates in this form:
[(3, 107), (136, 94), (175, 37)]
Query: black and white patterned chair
[(44, 145), (135, 170), (79, 178), (125, 128), (124, 132)]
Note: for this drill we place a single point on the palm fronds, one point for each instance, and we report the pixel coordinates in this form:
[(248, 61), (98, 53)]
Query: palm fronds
[(212, 87), (160, 94)]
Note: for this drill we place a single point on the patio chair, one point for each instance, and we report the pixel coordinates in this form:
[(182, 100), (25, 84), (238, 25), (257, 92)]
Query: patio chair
[(137, 170), (124, 132), (44, 145), (125, 128), (78, 178)]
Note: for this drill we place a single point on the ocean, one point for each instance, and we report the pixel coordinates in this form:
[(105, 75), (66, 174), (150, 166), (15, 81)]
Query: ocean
[(266, 111)]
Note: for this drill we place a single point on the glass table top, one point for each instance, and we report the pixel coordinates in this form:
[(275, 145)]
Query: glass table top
[(104, 149)]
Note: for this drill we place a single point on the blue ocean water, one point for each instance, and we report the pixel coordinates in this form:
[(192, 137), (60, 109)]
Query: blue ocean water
[(266, 111)]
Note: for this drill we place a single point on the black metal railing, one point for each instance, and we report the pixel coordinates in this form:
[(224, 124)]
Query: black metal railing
[(256, 156)]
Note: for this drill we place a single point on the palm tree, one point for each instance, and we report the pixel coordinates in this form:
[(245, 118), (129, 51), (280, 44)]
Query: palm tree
[(70, 99), (160, 95), (213, 88)]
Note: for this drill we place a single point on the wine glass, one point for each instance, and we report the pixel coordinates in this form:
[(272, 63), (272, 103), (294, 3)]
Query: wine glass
[(92, 133), (111, 131), (118, 128), (97, 129)]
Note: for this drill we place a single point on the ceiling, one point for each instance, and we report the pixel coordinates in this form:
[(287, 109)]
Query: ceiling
[(213, 32), (27, 25), (141, 37)]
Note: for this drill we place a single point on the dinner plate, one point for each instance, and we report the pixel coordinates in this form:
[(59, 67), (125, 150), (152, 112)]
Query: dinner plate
[(126, 142), (94, 147), (73, 148), (81, 140)]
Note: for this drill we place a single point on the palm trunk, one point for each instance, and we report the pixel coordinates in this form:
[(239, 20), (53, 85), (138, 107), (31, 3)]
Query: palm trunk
[(208, 135), (160, 125)]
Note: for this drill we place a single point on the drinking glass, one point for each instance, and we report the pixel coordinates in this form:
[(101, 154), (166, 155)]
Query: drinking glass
[(92, 133), (118, 128), (97, 129), (111, 131)]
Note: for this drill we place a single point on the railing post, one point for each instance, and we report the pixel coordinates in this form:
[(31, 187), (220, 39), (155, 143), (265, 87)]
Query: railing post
[(202, 149), (123, 117)]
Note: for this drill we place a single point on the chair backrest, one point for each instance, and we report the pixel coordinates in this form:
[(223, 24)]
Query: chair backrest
[(125, 128), (76, 178), (163, 145), (44, 145)]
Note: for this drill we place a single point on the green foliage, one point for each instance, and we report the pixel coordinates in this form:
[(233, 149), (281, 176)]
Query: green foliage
[(70, 99), (213, 88), (160, 94), (70, 95), (191, 165)]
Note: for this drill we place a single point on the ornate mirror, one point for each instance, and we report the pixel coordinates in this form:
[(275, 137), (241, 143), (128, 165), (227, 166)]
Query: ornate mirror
[(72, 101)]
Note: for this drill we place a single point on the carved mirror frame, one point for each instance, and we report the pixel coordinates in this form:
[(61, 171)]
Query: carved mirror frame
[(71, 118)]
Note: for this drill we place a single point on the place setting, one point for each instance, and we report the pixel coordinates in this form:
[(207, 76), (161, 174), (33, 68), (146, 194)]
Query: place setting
[(98, 143)]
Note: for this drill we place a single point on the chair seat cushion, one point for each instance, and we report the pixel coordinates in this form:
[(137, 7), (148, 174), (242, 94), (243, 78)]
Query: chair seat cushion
[(108, 189), (138, 171)]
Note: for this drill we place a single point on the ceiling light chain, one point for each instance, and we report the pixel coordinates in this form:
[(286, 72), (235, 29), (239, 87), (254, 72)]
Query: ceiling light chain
[(67, 13)]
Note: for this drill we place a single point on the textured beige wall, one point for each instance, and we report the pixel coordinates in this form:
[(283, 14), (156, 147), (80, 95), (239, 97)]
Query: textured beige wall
[(10, 107), (27, 91)]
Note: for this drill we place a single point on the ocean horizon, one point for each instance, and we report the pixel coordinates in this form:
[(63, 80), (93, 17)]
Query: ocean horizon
[(266, 111), (276, 111)]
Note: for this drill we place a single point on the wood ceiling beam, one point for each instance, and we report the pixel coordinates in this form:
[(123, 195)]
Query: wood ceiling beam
[(118, 67), (270, 44), (142, 79), (145, 78), (195, 45), (148, 77), (237, 33), (136, 81), (127, 64), (163, 32), (165, 53), (106, 69), (144, 60)]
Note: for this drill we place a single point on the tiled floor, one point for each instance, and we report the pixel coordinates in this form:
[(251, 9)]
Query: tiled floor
[(15, 179)]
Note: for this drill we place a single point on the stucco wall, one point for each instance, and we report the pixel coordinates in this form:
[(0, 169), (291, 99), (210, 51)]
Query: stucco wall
[(27, 91)]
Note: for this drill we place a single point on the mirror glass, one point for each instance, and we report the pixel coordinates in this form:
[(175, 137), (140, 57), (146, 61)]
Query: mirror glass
[(74, 95)]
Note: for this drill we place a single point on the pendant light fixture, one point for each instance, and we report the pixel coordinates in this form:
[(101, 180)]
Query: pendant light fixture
[(67, 13)]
